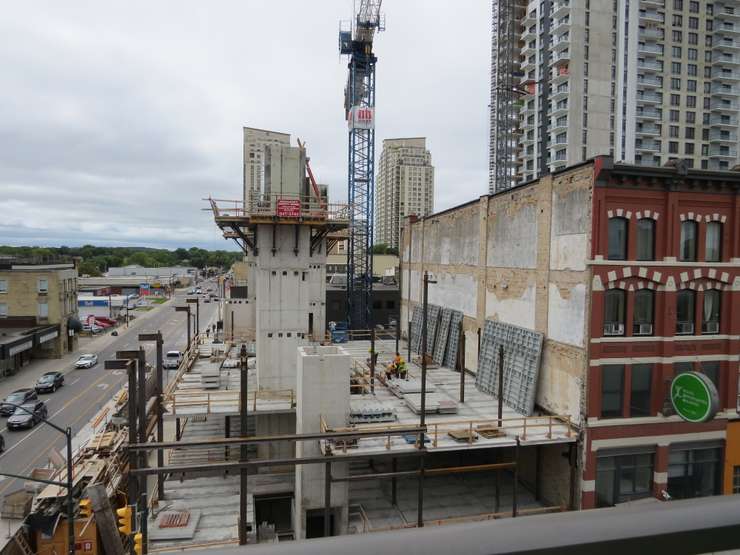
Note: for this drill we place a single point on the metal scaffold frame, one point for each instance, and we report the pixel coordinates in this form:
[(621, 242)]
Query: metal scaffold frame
[(357, 43)]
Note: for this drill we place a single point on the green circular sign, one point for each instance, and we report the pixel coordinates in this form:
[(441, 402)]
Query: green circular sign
[(694, 397)]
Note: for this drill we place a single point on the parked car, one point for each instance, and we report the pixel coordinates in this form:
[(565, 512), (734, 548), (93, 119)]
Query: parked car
[(87, 361), (49, 382), (22, 417), (94, 329), (18, 397), (172, 359)]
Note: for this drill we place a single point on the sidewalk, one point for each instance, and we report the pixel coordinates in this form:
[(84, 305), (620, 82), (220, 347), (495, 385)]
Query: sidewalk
[(27, 376)]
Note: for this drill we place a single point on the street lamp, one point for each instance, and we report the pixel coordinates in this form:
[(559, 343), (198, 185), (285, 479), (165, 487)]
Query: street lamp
[(185, 309), (69, 484), (196, 302)]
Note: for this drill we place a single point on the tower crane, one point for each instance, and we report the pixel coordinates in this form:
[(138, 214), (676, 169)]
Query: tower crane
[(356, 42)]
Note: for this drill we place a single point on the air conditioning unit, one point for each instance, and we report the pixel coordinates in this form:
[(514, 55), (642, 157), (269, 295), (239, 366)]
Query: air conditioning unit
[(643, 329), (613, 328), (711, 327), (684, 327)]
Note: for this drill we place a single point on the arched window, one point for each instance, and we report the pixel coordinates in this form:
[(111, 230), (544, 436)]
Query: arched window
[(617, 248), (614, 312), (685, 303), (645, 239), (687, 251), (644, 312)]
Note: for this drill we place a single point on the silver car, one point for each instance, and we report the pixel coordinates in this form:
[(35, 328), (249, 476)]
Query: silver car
[(87, 361), (24, 419)]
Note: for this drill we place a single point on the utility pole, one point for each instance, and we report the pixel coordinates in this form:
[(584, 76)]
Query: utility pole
[(422, 416), (243, 404)]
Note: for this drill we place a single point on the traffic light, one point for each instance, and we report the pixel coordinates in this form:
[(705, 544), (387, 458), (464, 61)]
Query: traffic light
[(138, 540), (85, 508), (124, 520)]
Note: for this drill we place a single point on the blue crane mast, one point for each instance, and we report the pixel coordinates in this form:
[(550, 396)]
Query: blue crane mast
[(356, 42)]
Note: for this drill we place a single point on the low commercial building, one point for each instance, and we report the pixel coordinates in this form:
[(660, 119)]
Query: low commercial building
[(38, 310), (125, 285), (632, 274), (188, 273)]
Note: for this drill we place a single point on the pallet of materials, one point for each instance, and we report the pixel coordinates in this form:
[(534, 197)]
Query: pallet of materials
[(365, 411), (434, 404), (400, 387)]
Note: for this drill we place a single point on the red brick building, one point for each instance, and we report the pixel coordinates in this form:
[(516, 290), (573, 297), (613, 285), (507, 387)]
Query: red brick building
[(665, 256)]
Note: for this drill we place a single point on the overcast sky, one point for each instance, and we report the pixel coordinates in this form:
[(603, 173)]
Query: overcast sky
[(116, 119)]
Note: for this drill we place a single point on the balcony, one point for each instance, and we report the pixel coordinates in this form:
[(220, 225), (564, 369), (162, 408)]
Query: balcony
[(528, 65), (647, 146), (559, 110), (561, 43), (652, 15), (559, 75), (562, 57), (726, 29), (725, 43), (560, 8), (723, 58), (724, 89), (647, 129), (530, 19), (528, 49), (723, 105), (560, 26), (648, 82), (651, 34), (647, 113), (722, 136), (649, 97), (659, 4), (649, 65), (560, 92), (722, 152), (723, 121), (529, 33), (726, 11), (556, 128), (725, 75), (650, 49)]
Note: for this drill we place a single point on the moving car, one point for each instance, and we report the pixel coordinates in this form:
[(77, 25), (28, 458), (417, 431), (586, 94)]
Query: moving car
[(18, 397), (49, 382), (87, 361), (22, 417), (172, 359)]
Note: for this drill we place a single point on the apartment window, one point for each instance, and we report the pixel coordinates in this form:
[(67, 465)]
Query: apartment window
[(43, 310), (710, 9), (674, 116), (675, 100), (673, 147), (678, 5), (673, 131), (677, 20), (694, 23), (710, 313), (676, 68), (736, 479), (691, 85), (685, 303), (3, 285), (676, 51), (689, 134), (693, 54), (614, 302), (612, 390), (640, 390), (694, 7), (694, 472), (624, 477), (675, 84), (687, 251), (645, 239), (677, 36), (43, 285), (617, 239), (692, 70), (713, 242), (694, 39), (3, 310), (644, 312)]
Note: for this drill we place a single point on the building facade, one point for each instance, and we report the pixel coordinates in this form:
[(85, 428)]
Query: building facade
[(633, 275), (254, 156), (645, 82), (405, 186), (38, 311)]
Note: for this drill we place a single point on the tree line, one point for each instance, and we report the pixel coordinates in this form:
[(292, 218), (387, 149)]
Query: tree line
[(96, 260)]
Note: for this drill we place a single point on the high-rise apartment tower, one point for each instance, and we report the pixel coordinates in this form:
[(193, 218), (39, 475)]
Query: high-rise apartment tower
[(648, 82), (405, 186), (255, 141)]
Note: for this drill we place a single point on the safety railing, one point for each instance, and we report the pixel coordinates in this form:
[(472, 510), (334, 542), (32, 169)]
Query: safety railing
[(209, 400), (281, 205)]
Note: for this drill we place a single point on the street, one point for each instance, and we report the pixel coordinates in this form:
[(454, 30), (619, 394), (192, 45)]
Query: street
[(85, 391)]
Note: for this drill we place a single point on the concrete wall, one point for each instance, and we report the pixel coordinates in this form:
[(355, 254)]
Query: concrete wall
[(517, 257), (322, 390)]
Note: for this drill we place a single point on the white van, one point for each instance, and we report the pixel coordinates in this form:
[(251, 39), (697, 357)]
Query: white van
[(172, 359)]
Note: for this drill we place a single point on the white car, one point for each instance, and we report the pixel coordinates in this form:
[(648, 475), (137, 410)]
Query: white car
[(86, 361), (172, 360)]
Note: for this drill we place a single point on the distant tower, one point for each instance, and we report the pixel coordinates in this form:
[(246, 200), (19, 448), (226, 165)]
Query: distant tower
[(405, 186), (255, 141)]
